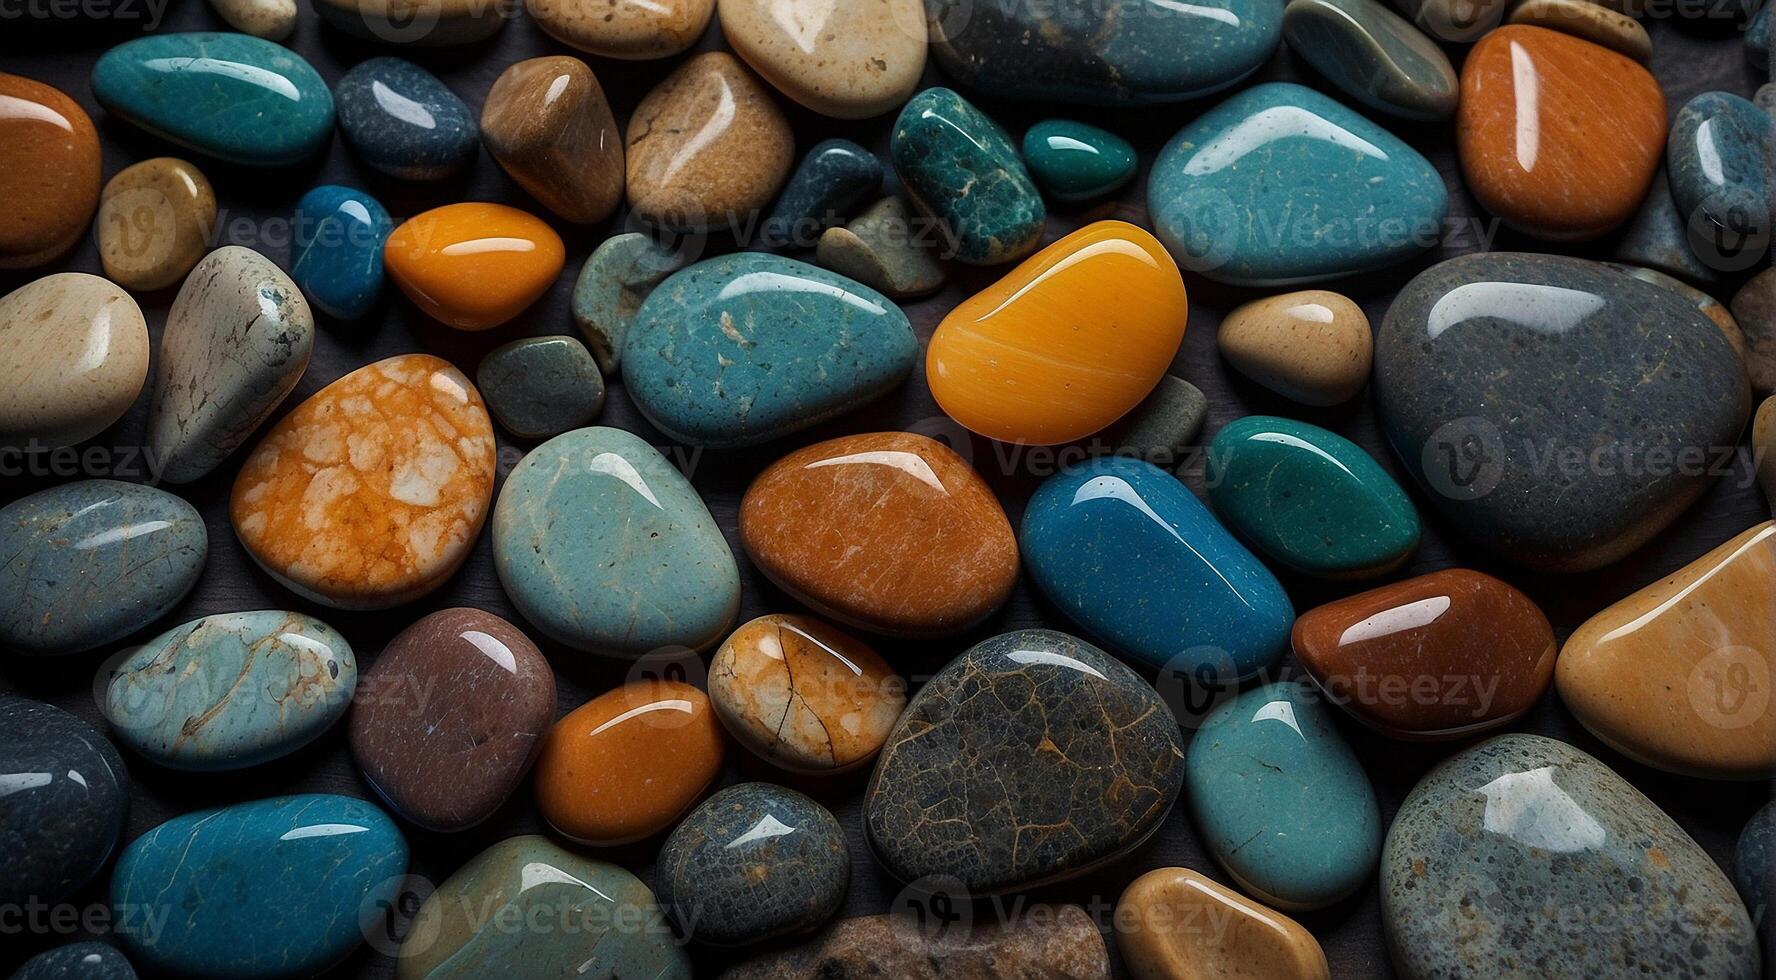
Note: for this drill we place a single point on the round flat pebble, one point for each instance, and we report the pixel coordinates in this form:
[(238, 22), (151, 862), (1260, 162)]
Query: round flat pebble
[(49, 172), (401, 120), (547, 123), (473, 266), (62, 820), (1313, 346), (155, 219), (53, 390), (846, 58), (539, 387)]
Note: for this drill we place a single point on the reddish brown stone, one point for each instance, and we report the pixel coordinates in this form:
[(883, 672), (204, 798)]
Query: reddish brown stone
[(1444, 655), (49, 172), (451, 716)]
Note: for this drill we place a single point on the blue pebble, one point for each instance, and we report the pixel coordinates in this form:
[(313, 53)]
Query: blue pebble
[(77, 961), (271, 888), (336, 258), (1131, 555), (1280, 185), (1719, 157), (834, 178), (401, 120)]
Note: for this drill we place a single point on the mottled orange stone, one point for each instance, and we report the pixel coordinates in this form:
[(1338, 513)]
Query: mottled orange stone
[(49, 172), (474, 266), (371, 493), (1558, 136), (888, 531), (628, 763)]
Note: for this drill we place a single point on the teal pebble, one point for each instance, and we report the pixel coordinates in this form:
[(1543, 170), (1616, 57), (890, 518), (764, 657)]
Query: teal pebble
[(1719, 158), (959, 166), (336, 255), (1374, 56), (538, 387), (1072, 161)]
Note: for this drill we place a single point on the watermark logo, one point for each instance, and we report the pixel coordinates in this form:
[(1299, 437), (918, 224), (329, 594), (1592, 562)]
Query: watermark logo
[(1730, 687), (1464, 459), (933, 910)]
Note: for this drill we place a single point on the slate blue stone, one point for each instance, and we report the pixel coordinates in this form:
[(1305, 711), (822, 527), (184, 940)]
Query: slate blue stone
[(77, 961), (401, 120), (1658, 238), (1130, 554), (66, 800), (89, 563), (741, 349), (1719, 158), (605, 547), (539, 387), (233, 96), (1281, 801), (270, 888), (1281, 185), (834, 178), (336, 255)]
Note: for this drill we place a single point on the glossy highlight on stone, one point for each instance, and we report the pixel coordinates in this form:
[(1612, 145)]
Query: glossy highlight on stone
[(69, 795), (402, 121), (1374, 56), (1721, 160), (77, 961), (1594, 22), (155, 221), (547, 123), (49, 172), (474, 266), (1175, 922), (961, 168), (624, 29), (846, 58), (538, 387), (1074, 161), (336, 256), (53, 392), (1313, 346)]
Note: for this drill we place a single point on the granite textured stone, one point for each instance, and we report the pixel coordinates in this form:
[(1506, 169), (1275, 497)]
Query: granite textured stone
[(73, 358), (336, 255), (415, 23), (69, 796), (1374, 56), (1313, 346), (539, 387), (886, 249), (399, 119), (77, 961), (1720, 157), (1075, 161), (1161, 919), (155, 220), (1754, 310), (547, 123), (1659, 238), (846, 58), (474, 266), (49, 172), (832, 180), (960, 167), (1047, 941), (612, 285)]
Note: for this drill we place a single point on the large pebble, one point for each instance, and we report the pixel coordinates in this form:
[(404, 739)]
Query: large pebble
[(155, 221), (547, 123), (49, 172), (1313, 346), (1721, 160), (539, 387), (93, 561), (401, 120), (1046, 941), (831, 181), (77, 961), (1374, 56), (336, 256), (1178, 923), (617, 278), (372, 491), (416, 23), (847, 58), (474, 266), (627, 30), (63, 812), (604, 546), (73, 358), (1754, 310), (959, 166)]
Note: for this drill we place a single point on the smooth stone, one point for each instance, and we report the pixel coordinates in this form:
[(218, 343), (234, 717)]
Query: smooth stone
[(450, 716), (960, 167), (77, 961), (1589, 20), (1313, 346), (851, 59), (400, 120), (1162, 429), (416, 23), (233, 96), (1374, 56), (1524, 853), (1309, 498), (617, 278), (1127, 552), (1031, 758), (230, 691), (1175, 923), (336, 256), (1281, 801), (1601, 365), (1754, 866), (753, 862), (295, 873), (474, 266), (1763, 439), (1708, 631), (631, 30), (1754, 310), (236, 342), (1658, 238), (890, 532), (750, 346), (90, 562), (1711, 308), (803, 695), (1441, 656), (1280, 184), (65, 812), (1050, 941), (832, 180), (539, 387), (1075, 161), (628, 763), (49, 172), (604, 922), (371, 493), (53, 391), (547, 123), (885, 249), (604, 546), (273, 20), (1456, 21), (1757, 37), (1136, 53), (1558, 137), (707, 148), (1065, 344), (1719, 157), (155, 220)]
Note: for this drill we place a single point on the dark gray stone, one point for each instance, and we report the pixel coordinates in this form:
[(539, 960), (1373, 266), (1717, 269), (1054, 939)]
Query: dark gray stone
[(1162, 428), (1754, 864), (834, 178), (79, 961), (65, 800), (539, 387)]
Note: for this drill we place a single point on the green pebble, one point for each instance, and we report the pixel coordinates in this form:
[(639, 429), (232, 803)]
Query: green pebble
[(1072, 161)]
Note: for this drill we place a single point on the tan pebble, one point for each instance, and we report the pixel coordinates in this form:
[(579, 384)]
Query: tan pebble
[(155, 221), (628, 29), (1312, 346), (548, 124), (73, 358), (1176, 924), (847, 58), (1592, 21), (417, 23), (883, 249), (1754, 308), (273, 20), (1763, 445)]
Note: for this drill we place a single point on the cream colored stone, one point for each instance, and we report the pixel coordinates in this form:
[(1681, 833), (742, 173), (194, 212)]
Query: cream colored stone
[(847, 58), (1592, 21), (155, 220), (629, 29), (273, 20), (73, 358), (1176, 924), (1312, 346)]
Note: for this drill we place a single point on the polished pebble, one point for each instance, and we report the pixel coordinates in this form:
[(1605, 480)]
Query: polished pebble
[(1074, 161), (834, 178), (1763, 439), (886, 249), (851, 59), (630, 30), (54, 391), (1754, 310), (612, 285), (336, 256), (49, 172), (1162, 429), (1374, 56), (1313, 346), (1720, 157), (1176, 924), (547, 123), (77, 961), (416, 23), (1754, 867), (474, 266), (539, 387), (1589, 20), (273, 20), (155, 221), (1047, 941), (960, 167), (400, 120), (65, 809), (1659, 238)]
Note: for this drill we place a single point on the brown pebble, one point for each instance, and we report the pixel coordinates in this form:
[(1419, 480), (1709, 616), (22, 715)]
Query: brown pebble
[(548, 124), (155, 221), (49, 172)]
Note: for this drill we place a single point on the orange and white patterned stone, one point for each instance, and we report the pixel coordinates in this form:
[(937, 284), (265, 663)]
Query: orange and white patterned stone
[(371, 493)]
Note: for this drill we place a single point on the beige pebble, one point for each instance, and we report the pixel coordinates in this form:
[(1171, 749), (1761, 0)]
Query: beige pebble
[(884, 250), (629, 29), (846, 58), (1176, 924), (417, 23), (155, 221), (73, 358), (1763, 445), (548, 124), (1312, 346), (1592, 21), (273, 20)]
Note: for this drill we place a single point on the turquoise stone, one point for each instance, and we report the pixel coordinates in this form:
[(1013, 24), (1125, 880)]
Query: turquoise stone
[(1311, 499), (1280, 185), (747, 347), (336, 252), (1280, 799), (1073, 161), (960, 167), (235, 97), (271, 888), (1130, 554), (1719, 157), (231, 690), (1373, 55), (605, 547)]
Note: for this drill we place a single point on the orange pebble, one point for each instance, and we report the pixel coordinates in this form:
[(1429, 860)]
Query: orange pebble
[(474, 266)]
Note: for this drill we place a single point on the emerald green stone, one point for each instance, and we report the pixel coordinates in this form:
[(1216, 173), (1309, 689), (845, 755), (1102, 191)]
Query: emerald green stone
[(1310, 499), (959, 167), (1072, 161)]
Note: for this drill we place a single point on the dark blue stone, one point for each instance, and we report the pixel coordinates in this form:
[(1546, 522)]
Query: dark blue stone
[(835, 177), (400, 119), (78, 961), (62, 810), (336, 258)]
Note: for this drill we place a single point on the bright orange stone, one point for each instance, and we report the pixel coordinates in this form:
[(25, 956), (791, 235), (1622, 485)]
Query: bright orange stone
[(628, 763), (49, 172), (371, 493), (1558, 136), (1067, 343), (474, 266)]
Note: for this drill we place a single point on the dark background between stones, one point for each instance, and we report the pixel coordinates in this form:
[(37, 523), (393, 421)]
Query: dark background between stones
[(1689, 56)]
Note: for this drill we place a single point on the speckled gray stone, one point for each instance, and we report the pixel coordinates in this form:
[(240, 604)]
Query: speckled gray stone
[(616, 279), (65, 802), (539, 387), (1754, 864), (887, 249), (753, 862), (77, 961), (1523, 856), (1162, 428), (961, 789)]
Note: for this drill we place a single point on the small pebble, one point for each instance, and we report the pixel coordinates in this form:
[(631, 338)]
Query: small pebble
[(401, 120), (1754, 309), (1154, 935), (273, 20), (546, 121), (155, 219), (1658, 239), (957, 164), (1591, 21), (614, 282), (473, 266), (885, 248), (337, 254), (538, 387), (1313, 346), (833, 179), (1073, 161), (1161, 429), (73, 358), (77, 961), (1374, 56)]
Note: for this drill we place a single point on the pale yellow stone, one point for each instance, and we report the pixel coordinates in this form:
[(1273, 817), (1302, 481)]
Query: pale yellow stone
[(155, 221), (1176, 924), (273, 20), (846, 58), (73, 358), (1312, 346)]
